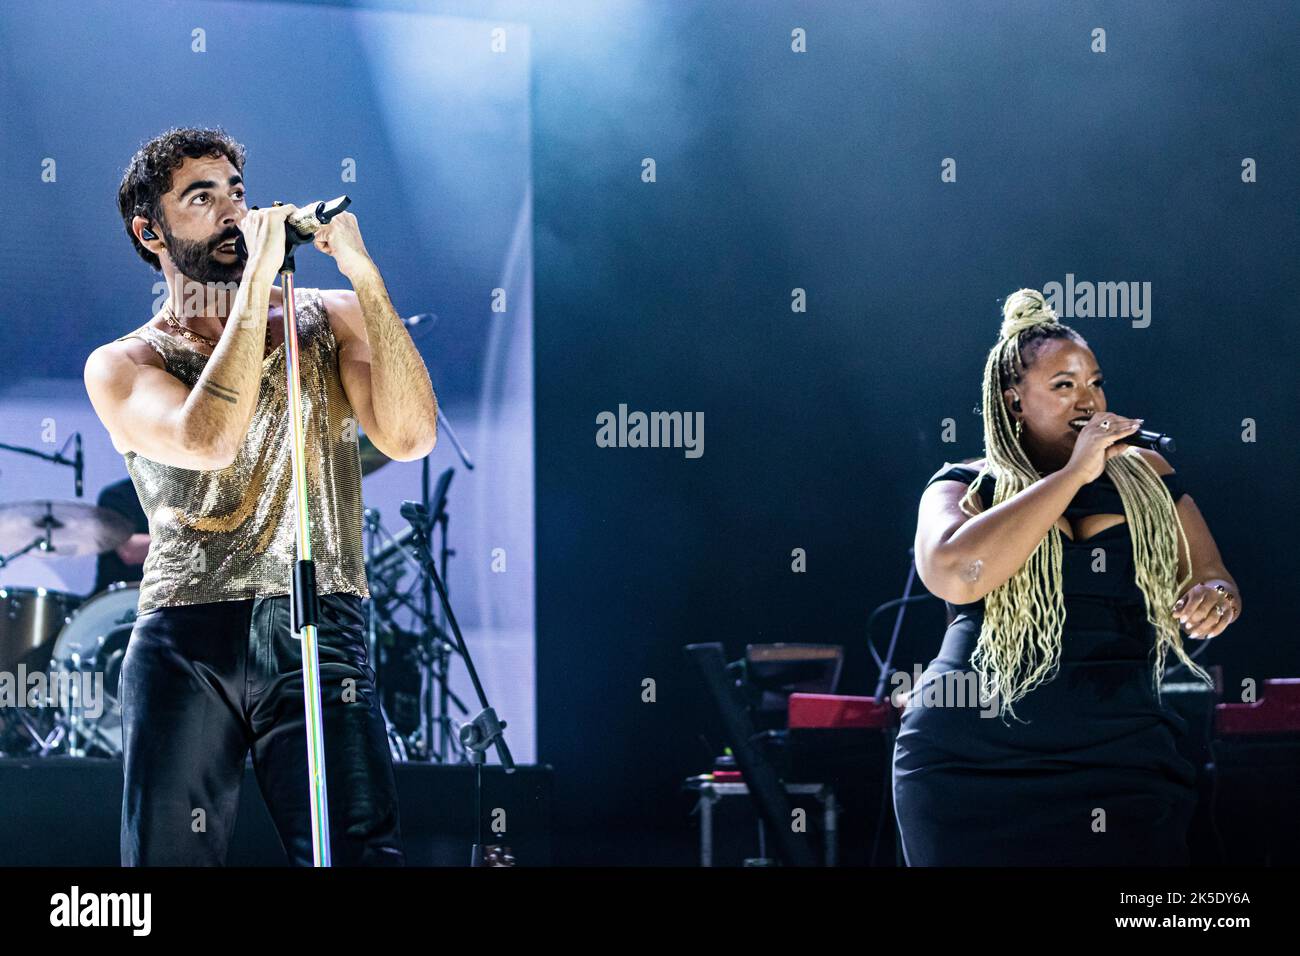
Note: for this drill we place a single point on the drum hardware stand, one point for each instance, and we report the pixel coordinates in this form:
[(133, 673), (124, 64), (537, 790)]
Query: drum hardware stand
[(485, 729), (384, 592), (81, 733), (76, 462), (66, 723), (434, 738), (384, 597), (44, 543), (45, 745), (432, 651), (71, 716), (370, 518)]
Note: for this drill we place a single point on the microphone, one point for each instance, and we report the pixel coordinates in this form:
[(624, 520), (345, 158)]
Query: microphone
[(78, 463), (303, 224), (1156, 441), (311, 217)]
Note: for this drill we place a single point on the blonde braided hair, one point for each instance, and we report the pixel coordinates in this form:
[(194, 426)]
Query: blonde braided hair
[(1019, 645)]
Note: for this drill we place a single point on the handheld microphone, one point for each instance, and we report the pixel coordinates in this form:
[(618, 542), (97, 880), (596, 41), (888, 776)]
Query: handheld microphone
[(1156, 441), (303, 224), (311, 217)]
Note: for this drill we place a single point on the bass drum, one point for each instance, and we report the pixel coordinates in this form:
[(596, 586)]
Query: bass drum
[(94, 641)]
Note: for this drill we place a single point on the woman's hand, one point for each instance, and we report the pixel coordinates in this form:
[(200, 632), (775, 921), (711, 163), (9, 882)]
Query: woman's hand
[(1207, 608), (1098, 442)]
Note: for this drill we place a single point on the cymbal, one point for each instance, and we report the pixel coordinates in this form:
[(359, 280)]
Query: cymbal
[(372, 459), (75, 527)]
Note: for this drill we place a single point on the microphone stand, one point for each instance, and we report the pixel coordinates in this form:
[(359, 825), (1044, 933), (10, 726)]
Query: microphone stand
[(439, 650), (886, 666), (76, 462), (485, 730), (433, 642), (304, 601), (423, 535)]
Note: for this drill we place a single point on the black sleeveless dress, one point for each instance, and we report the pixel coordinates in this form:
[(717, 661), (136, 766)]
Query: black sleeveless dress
[(1094, 777)]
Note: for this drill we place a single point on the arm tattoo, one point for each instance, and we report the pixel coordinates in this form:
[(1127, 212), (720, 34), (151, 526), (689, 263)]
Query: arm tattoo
[(973, 570), (229, 394)]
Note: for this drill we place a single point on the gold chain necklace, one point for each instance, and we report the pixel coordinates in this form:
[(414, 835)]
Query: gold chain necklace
[(193, 336)]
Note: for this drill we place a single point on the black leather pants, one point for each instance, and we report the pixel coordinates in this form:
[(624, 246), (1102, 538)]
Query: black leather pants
[(201, 685)]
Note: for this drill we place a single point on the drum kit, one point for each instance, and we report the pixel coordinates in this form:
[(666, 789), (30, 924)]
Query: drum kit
[(71, 638), (64, 635)]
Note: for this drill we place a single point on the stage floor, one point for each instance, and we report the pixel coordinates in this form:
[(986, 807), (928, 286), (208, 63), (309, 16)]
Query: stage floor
[(66, 811)]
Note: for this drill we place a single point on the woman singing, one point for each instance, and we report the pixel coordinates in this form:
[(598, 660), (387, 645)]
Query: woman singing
[(1071, 559)]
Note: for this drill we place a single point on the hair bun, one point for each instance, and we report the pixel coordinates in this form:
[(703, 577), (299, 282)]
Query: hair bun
[(1024, 309)]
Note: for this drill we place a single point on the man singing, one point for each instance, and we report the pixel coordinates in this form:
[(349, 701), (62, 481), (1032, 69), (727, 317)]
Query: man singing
[(196, 401)]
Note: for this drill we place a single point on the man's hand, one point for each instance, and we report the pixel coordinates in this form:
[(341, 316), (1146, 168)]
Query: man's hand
[(341, 238), (263, 231)]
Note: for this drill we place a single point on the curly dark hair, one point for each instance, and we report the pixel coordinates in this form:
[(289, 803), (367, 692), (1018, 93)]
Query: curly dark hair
[(148, 175)]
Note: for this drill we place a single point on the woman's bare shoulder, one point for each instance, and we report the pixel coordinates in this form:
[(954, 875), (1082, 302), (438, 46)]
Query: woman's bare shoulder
[(947, 492), (1156, 461), (971, 466)]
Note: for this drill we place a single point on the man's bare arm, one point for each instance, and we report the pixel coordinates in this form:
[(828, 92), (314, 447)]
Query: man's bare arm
[(227, 389), (154, 414), (382, 370)]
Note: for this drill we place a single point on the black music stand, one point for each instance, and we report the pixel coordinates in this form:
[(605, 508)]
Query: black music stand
[(765, 788)]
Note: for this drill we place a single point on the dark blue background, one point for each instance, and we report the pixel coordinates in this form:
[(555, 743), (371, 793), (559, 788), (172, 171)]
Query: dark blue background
[(821, 171)]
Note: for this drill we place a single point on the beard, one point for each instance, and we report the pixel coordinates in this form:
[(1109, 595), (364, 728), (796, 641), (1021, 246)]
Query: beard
[(196, 259)]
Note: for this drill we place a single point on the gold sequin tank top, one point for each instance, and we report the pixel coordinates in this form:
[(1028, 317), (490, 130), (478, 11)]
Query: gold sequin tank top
[(229, 534)]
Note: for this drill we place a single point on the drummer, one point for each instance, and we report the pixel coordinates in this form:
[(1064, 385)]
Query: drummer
[(126, 562)]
